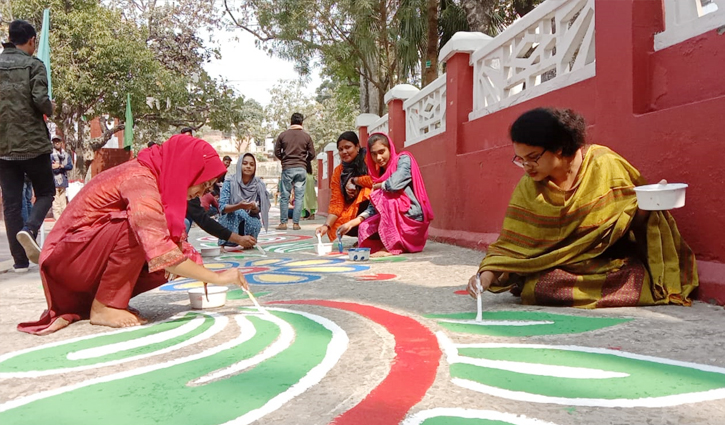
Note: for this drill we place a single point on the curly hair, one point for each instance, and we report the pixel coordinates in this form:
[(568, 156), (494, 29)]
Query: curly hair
[(556, 130)]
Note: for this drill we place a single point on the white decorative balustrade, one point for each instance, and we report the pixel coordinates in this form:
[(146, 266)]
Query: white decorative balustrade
[(549, 48), (425, 113), (685, 19), (379, 126)]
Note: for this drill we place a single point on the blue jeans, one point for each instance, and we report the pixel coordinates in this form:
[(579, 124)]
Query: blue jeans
[(290, 177), (27, 201)]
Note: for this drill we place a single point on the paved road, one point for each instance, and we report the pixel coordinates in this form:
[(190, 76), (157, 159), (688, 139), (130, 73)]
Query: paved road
[(378, 342)]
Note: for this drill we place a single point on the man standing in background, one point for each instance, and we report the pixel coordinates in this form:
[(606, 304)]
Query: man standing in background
[(294, 148), (24, 141), (61, 165)]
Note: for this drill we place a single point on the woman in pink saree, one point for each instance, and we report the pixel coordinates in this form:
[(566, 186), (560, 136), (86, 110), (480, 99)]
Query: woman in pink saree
[(399, 214)]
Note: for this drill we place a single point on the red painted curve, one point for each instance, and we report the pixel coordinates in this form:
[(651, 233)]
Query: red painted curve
[(411, 374)]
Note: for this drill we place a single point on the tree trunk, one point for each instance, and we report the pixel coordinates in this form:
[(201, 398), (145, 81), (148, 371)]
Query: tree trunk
[(522, 7), (430, 63), (478, 14)]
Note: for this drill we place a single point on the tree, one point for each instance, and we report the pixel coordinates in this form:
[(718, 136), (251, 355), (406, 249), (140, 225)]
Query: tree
[(326, 115)]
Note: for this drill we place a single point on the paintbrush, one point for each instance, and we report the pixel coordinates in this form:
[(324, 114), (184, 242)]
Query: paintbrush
[(479, 288)]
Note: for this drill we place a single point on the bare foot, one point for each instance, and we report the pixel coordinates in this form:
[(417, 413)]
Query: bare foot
[(137, 313), (382, 253), (59, 324), (103, 315)]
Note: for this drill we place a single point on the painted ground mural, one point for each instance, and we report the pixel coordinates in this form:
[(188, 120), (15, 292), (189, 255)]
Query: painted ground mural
[(236, 365)]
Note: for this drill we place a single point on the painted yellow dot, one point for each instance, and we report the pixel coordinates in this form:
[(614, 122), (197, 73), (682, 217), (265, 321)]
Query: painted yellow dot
[(339, 269), (278, 278), (303, 263)]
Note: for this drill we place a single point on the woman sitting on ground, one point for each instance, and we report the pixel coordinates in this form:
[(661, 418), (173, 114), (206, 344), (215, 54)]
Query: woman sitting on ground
[(399, 214), (573, 235), (123, 234), (349, 186), (244, 203)]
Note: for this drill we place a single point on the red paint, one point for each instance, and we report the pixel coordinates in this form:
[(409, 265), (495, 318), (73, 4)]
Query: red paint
[(376, 277), (660, 110), (412, 371), (461, 292), (396, 124)]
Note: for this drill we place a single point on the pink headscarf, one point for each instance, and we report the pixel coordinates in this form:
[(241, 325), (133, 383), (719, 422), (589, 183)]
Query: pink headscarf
[(398, 233), (183, 161)]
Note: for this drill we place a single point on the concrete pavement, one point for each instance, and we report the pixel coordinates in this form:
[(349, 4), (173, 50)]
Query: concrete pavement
[(375, 342)]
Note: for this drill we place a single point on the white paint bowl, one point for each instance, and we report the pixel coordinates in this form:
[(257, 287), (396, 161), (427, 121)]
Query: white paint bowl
[(211, 251), (323, 249), (217, 297), (660, 197), (358, 254)]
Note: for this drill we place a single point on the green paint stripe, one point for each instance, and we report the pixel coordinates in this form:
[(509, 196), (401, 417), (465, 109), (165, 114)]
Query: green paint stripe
[(56, 357), (163, 396), (563, 324), (239, 294), (647, 379)]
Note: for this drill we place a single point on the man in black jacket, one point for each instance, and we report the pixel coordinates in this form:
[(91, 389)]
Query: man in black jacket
[(24, 141)]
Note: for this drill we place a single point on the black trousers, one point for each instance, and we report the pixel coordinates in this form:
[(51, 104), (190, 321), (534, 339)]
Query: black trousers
[(12, 176)]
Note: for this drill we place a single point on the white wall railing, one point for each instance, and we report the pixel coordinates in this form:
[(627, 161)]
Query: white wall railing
[(379, 126), (549, 48), (685, 19), (425, 113)]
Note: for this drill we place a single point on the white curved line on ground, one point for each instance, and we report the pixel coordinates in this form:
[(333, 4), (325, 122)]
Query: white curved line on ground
[(337, 346), (527, 368), (703, 367), (498, 322), (246, 333), (219, 323), (451, 351), (91, 353), (419, 417), (665, 401), (283, 342)]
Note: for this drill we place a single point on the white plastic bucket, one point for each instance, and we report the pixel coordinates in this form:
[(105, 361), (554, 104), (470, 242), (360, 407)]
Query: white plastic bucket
[(660, 197), (217, 297)]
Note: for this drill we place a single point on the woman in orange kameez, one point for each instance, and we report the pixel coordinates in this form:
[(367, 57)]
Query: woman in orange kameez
[(121, 235), (350, 186)]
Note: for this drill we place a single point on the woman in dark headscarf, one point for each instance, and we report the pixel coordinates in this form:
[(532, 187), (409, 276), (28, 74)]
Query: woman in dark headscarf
[(350, 186), (244, 202)]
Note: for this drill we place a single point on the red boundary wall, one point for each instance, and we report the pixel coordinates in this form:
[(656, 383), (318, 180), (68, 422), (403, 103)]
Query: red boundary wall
[(660, 110)]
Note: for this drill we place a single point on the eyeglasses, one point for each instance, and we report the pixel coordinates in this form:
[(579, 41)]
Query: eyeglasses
[(518, 161)]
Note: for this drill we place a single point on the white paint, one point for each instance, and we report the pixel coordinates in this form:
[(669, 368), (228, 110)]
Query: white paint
[(219, 323), (335, 349), (463, 42), (524, 367), (666, 401), (685, 19), (451, 351), (517, 60), (425, 112), (247, 332), (283, 342), (541, 369), (420, 417), (498, 322), (401, 92), (136, 343)]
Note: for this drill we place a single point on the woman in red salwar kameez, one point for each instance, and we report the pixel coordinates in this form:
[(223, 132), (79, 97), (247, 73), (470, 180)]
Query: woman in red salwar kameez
[(121, 235)]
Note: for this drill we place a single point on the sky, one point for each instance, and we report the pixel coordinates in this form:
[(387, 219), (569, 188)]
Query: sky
[(250, 70)]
